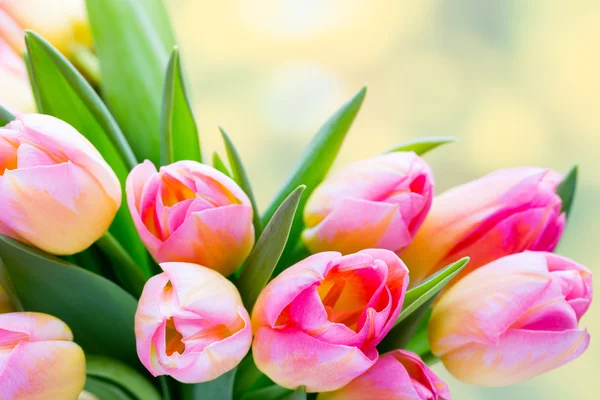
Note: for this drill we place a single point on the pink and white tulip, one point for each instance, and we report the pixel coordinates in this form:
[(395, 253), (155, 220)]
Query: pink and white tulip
[(512, 319), (191, 324), (505, 212), (379, 202), (56, 191), (38, 359), (397, 375), (318, 322), (191, 212)]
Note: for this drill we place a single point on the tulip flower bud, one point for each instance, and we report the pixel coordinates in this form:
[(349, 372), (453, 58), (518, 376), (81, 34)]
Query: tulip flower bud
[(191, 324), (191, 212), (379, 202), (512, 319), (15, 91), (505, 212), (63, 23), (397, 375), (318, 322), (38, 359), (56, 191)]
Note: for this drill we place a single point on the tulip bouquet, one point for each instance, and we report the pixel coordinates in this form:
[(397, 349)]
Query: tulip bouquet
[(131, 267)]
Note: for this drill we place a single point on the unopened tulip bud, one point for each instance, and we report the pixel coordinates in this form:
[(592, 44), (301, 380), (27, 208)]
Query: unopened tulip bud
[(379, 202), (191, 212), (318, 323), (505, 212), (56, 191), (397, 375), (38, 359), (512, 319), (191, 324)]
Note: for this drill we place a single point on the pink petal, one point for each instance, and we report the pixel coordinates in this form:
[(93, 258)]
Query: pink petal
[(291, 358)]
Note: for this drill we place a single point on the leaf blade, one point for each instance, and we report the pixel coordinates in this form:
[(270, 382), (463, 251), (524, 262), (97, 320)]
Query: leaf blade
[(179, 133), (5, 116), (566, 189), (242, 179), (219, 388), (47, 284), (423, 145), (133, 40), (264, 257)]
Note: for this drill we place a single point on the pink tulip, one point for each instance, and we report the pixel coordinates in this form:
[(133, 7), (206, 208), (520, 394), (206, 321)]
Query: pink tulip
[(318, 322), (56, 191), (38, 359), (397, 375), (512, 319), (379, 202), (191, 212), (191, 324), (15, 91), (505, 212)]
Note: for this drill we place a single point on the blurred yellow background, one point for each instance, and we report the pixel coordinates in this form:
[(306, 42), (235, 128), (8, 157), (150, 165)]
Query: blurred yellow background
[(518, 82)]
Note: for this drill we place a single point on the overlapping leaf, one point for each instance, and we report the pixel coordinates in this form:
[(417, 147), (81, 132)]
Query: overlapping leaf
[(423, 145)]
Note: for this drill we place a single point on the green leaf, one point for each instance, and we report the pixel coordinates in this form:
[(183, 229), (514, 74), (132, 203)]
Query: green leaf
[(320, 154), (99, 313), (299, 394), (273, 392), (399, 336), (248, 377), (419, 342), (265, 255), (7, 285), (566, 189), (423, 145), (105, 390), (179, 139), (121, 375), (127, 271), (419, 295), (241, 177), (133, 40), (5, 116), (219, 165), (220, 388), (79, 105)]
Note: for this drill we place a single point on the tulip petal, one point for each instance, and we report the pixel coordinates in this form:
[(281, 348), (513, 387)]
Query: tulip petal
[(356, 224), (43, 370), (519, 355), (37, 326), (218, 238), (33, 198), (292, 359)]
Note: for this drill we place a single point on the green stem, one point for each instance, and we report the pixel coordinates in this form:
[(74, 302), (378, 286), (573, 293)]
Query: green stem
[(128, 272)]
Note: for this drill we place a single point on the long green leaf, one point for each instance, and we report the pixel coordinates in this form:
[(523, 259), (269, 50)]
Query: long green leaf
[(7, 286), (268, 250), (401, 334), (299, 394), (62, 92), (5, 116), (127, 271), (99, 313), (241, 177), (133, 40), (566, 189), (423, 145), (179, 138), (320, 154), (121, 375), (419, 295), (220, 388), (273, 392), (104, 390)]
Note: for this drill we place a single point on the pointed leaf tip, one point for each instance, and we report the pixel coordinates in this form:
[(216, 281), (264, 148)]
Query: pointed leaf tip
[(423, 145), (566, 189)]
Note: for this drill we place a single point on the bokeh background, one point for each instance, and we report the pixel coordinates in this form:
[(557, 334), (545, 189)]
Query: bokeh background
[(518, 82)]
